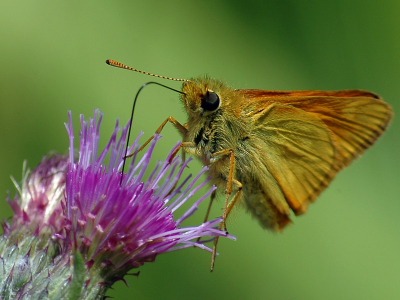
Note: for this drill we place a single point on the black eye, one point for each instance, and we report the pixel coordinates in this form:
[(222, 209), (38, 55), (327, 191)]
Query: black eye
[(210, 101)]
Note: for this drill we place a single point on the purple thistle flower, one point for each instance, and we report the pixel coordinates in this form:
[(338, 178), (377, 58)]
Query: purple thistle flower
[(79, 226), (127, 222), (30, 260), (38, 208)]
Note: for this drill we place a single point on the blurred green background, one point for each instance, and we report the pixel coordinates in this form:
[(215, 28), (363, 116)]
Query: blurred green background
[(348, 244)]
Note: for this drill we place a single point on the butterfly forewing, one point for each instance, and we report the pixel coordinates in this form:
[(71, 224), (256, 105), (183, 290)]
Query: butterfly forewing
[(303, 138)]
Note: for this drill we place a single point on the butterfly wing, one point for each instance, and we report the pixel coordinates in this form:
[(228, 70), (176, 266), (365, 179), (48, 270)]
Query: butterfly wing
[(356, 118), (303, 138)]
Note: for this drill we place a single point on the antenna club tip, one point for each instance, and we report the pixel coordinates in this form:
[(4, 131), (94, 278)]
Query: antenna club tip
[(108, 61)]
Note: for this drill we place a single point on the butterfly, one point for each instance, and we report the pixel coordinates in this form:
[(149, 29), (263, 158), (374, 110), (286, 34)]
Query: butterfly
[(275, 151)]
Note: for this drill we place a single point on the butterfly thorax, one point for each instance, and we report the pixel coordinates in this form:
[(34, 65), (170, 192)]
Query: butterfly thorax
[(213, 129)]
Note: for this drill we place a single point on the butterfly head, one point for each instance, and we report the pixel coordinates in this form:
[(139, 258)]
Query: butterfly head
[(203, 96)]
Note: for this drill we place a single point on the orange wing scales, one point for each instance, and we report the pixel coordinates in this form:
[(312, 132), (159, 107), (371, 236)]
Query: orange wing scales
[(306, 137)]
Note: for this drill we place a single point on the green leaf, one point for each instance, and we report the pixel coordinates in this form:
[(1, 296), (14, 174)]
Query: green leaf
[(77, 278)]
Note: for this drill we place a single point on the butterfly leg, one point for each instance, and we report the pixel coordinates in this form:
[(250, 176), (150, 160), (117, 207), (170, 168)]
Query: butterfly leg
[(232, 203), (213, 194), (183, 146), (181, 128), (209, 205), (228, 204), (217, 156), (228, 209)]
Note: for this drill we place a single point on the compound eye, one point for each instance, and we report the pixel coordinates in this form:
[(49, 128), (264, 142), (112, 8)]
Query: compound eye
[(210, 101)]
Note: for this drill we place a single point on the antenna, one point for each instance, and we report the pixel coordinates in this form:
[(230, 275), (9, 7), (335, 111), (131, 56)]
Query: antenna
[(122, 66)]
